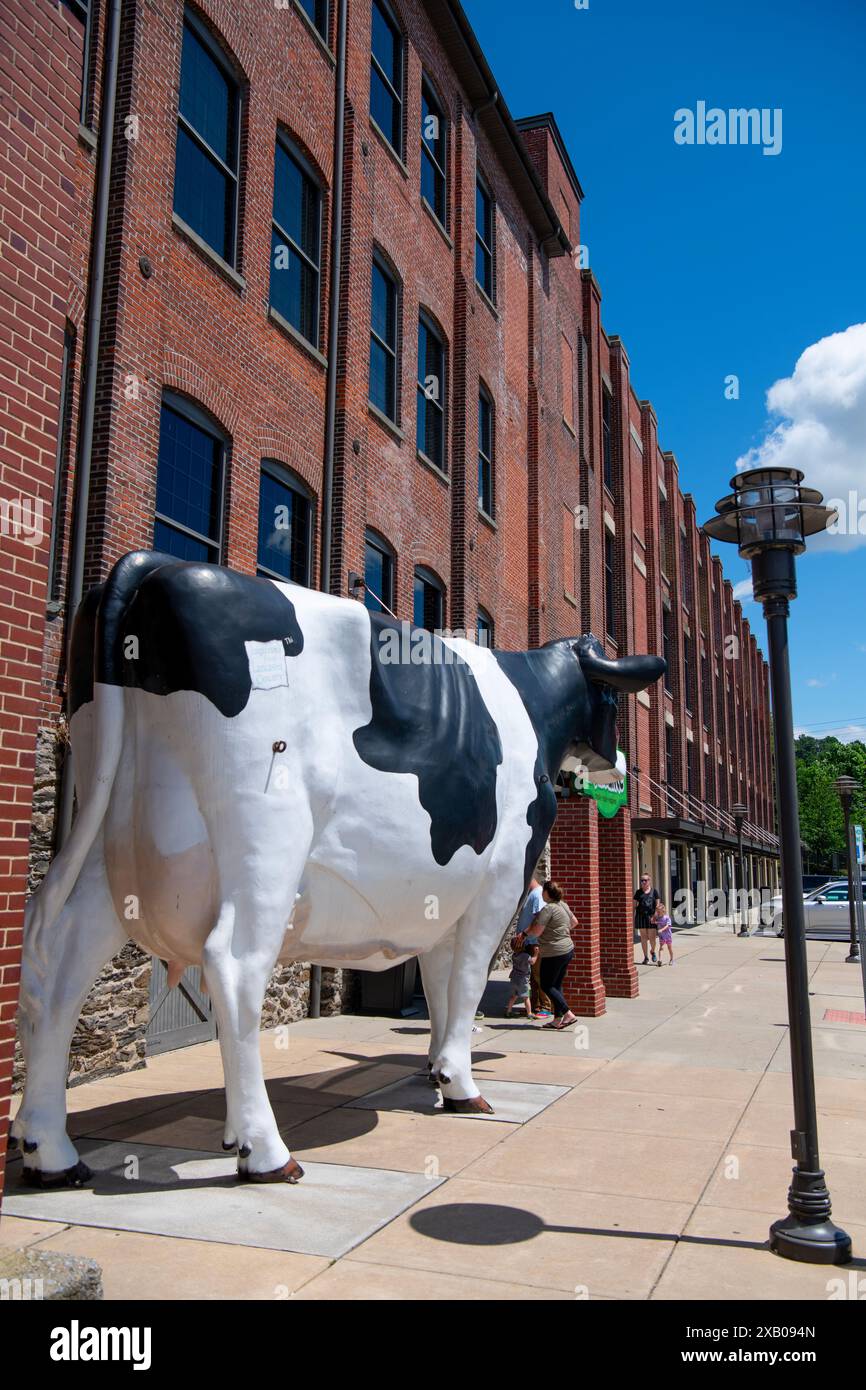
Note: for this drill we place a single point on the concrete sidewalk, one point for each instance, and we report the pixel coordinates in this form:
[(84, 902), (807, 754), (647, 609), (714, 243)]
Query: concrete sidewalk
[(641, 1156)]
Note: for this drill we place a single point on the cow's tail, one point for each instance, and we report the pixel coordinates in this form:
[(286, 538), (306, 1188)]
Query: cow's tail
[(48, 901)]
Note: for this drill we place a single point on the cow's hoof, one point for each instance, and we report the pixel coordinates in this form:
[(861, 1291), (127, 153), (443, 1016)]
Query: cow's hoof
[(291, 1172), (76, 1176), (475, 1105), (245, 1150), (227, 1148), (11, 1143), (30, 1146)]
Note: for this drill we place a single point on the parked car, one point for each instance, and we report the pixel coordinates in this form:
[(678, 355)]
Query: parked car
[(826, 909)]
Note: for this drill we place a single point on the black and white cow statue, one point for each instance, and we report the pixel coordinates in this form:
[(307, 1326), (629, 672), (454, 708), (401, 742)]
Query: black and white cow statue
[(266, 774)]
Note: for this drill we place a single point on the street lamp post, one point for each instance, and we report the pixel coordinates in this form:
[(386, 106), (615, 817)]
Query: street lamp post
[(740, 811), (768, 516), (845, 787)]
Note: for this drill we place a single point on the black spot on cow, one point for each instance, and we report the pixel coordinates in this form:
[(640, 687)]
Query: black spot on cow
[(190, 622), (430, 720)]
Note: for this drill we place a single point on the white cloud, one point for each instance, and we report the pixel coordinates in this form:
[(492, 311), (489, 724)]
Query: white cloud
[(846, 733), (743, 591), (821, 428)]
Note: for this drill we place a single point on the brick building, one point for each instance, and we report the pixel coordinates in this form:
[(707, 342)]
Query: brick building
[(410, 366)]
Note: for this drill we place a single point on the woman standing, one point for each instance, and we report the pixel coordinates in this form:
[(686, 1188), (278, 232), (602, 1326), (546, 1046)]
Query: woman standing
[(646, 899), (552, 926)]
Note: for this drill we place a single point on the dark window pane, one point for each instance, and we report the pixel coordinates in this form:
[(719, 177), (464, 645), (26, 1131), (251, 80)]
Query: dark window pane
[(378, 576), (383, 343), (204, 196), (382, 380), (183, 547), (317, 11), (384, 306), (484, 631), (610, 586), (207, 97), (294, 288), (606, 438), (296, 203), (387, 47), (485, 455), (433, 154), (430, 425), (428, 606), (189, 474), (284, 529), (484, 240)]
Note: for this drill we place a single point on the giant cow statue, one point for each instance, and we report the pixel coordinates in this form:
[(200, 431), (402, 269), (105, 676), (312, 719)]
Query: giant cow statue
[(268, 774)]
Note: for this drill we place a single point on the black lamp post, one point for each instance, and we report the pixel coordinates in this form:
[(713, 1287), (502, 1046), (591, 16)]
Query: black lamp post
[(845, 787), (740, 811), (768, 516)]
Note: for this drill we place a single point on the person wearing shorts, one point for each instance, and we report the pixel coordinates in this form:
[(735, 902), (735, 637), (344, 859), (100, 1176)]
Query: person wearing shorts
[(665, 931)]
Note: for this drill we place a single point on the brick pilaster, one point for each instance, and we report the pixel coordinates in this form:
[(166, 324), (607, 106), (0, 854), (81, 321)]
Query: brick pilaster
[(616, 886), (575, 867)]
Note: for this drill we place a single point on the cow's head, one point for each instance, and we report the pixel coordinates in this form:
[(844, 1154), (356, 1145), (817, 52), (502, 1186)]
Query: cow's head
[(594, 744)]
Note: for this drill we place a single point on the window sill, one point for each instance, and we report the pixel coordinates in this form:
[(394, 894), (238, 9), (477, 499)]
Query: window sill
[(488, 301), (311, 28), (87, 137), (428, 208), (386, 422), (295, 337), (487, 519), (569, 598), (434, 467), (389, 148), (569, 427), (611, 497), (200, 245)]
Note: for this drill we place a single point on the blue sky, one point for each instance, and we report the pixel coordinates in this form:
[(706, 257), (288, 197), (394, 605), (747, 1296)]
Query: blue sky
[(717, 259)]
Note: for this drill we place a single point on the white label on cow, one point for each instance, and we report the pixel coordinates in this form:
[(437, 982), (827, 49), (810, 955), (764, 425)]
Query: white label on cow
[(267, 664)]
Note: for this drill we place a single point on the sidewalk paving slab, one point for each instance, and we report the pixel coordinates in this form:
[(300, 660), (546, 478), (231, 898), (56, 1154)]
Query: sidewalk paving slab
[(181, 1192), (513, 1102)]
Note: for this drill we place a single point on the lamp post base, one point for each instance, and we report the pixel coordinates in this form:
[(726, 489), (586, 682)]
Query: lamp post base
[(853, 958), (807, 1233), (744, 931), (821, 1244)]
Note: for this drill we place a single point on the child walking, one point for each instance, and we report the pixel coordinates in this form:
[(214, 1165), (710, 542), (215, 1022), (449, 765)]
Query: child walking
[(666, 937), (524, 951)]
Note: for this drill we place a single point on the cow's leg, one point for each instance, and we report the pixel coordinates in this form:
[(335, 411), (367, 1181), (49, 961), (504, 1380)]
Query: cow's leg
[(238, 958), (435, 974), (85, 936), (478, 934)]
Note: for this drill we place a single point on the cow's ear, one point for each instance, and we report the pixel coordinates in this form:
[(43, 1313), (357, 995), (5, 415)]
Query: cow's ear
[(627, 674)]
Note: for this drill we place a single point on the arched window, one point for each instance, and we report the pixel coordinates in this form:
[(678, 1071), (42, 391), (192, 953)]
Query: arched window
[(208, 141), (429, 600), (434, 147), (384, 320), (484, 629), (378, 573), (432, 391), (486, 422), (285, 549), (190, 482)]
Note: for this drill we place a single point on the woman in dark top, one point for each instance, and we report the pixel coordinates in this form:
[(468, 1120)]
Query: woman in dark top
[(645, 900)]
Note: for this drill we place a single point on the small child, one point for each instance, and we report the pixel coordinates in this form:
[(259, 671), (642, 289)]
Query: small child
[(661, 920), (524, 950)]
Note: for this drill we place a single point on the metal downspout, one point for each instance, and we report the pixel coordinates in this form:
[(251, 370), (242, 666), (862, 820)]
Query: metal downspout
[(78, 544), (331, 389)]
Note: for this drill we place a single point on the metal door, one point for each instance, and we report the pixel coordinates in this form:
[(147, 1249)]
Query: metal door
[(181, 1016)]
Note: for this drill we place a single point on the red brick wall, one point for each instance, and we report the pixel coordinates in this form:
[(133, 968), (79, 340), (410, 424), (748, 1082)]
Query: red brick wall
[(40, 58)]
